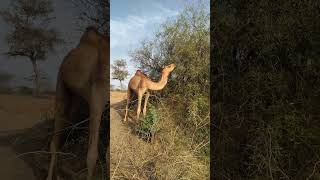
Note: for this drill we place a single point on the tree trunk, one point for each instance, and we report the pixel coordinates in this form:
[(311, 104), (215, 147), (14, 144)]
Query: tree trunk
[(121, 85), (36, 78)]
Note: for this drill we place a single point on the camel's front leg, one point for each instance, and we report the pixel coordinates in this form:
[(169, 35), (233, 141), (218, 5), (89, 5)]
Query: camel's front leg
[(140, 94), (96, 109), (60, 119), (145, 104), (56, 143), (92, 154)]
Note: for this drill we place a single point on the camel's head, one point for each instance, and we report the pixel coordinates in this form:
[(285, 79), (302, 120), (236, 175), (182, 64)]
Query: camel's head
[(169, 68)]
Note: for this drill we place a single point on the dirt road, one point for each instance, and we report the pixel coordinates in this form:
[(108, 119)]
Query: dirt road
[(22, 111), (19, 112), (131, 157), (117, 132), (116, 126), (121, 138)]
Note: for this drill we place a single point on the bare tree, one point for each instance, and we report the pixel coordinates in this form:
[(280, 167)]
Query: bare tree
[(30, 35)]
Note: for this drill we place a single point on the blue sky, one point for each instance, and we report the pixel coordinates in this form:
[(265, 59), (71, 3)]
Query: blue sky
[(132, 21)]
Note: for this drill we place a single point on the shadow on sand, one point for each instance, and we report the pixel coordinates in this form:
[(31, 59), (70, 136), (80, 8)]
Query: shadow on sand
[(32, 146), (120, 107)]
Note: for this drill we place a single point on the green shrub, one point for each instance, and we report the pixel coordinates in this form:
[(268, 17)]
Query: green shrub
[(149, 125)]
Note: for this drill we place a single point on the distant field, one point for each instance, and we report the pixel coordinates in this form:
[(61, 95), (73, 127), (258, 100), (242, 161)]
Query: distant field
[(22, 111), (117, 96)]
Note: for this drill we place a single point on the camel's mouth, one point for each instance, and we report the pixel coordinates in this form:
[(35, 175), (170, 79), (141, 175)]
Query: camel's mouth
[(169, 68), (172, 66)]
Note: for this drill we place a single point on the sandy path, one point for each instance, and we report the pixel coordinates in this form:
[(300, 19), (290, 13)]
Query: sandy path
[(116, 125), (19, 112), (117, 131), (120, 136), (116, 98), (13, 168)]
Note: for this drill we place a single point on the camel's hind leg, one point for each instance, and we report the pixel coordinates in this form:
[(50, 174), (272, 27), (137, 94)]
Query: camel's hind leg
[(61, 110), (145, 104), (128, 101)]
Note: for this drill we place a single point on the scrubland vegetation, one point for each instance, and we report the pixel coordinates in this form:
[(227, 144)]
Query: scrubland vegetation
[(176, 129), (266, 83)]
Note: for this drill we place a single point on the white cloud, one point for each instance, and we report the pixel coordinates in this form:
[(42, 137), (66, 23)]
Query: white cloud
[(165, 11), (126, 33)]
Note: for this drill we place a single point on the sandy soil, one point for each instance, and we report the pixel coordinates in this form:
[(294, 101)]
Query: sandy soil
[(19, 112), (118, 129), (134, 158), (120, 136), (126, 149), (116, 126)]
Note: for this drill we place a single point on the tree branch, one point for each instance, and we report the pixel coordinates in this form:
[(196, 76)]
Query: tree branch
[(18, 53)]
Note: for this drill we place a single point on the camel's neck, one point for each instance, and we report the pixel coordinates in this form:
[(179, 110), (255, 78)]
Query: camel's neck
[(160, 84)]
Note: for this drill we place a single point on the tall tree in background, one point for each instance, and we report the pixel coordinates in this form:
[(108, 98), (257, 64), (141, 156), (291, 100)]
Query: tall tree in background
[(120, 71), (94, 12), (30, 35)]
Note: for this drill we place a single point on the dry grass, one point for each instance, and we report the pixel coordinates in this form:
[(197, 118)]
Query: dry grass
[(168, 157)]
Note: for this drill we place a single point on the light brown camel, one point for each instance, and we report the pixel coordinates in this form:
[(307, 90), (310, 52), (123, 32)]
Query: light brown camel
[(140, 84), (82, 76)]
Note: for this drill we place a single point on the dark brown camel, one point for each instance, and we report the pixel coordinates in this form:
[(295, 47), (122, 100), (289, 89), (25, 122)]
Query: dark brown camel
[(82, 75)]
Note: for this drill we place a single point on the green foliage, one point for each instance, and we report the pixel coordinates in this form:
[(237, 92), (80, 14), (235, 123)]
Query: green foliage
[(183, 40), (266, 94), (149, 125)]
